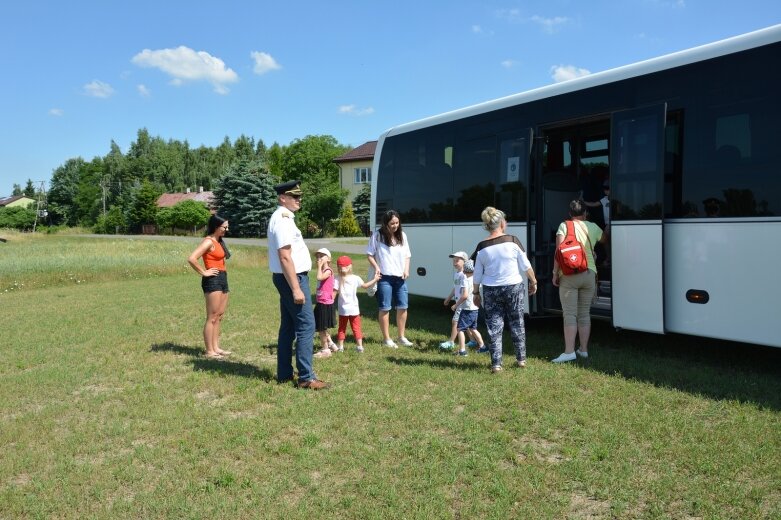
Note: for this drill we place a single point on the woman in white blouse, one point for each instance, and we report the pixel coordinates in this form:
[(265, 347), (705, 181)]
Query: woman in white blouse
[(389, 254), (500, 263)]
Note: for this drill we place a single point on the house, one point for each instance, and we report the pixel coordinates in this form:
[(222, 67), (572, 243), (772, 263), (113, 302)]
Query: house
[(167, 200), (355, 168), (16, 201)]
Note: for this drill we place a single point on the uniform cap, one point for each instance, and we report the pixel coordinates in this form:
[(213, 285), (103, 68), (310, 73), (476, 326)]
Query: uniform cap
[(289, 188)]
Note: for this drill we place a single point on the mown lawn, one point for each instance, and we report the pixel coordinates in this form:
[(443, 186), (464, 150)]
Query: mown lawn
[(108, 409)]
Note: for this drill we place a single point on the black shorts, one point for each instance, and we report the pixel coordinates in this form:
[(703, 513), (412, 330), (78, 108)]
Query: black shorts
[(215, 283)]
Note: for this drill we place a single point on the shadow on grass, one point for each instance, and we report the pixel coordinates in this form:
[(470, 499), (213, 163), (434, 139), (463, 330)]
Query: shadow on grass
[(713, 368), (449, 362), (223, 366), (233, 368)]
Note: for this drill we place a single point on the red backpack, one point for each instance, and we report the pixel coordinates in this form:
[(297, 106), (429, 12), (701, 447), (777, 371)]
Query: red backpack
[(570, 254)]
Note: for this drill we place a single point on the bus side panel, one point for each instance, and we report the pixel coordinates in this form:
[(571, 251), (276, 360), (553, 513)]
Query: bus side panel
[(431, 247), (737, 264), (637, 273)]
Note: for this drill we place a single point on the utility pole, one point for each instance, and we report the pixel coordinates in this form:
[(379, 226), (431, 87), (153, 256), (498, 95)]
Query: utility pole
[(40, 206), (104, 186)]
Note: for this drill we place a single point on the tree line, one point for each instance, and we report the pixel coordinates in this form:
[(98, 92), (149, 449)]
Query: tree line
[(118, 192)]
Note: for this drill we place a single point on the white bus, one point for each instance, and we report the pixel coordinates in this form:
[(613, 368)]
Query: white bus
[(689, 145)]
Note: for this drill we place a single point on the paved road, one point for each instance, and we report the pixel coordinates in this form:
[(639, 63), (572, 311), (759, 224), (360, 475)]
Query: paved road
[(341, 245)]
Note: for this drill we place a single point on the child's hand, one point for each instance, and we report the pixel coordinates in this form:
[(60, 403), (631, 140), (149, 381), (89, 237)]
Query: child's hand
[(446, 302), (453, 308)]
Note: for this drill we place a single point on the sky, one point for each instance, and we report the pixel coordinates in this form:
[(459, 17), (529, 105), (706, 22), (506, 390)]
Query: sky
[(78, 74)]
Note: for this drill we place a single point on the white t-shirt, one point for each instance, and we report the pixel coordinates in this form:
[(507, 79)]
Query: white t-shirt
[(348, 294), (466, 283), (391, 260), (500, 265), (282, 232)]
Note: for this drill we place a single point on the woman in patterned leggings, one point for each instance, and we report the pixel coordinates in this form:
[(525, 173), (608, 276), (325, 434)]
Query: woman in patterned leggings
[(500, 261)]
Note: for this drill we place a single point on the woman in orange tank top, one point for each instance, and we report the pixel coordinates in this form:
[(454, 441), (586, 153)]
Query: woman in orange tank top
[(214, 282)]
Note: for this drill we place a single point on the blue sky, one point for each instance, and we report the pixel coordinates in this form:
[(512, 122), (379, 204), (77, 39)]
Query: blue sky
[(78, 74)]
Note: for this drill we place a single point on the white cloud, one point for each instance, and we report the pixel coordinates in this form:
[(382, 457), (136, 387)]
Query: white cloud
[(352, 110), (511, 15), (184, 64), (508, 64), (98, 89), (477, 29), (561, 73), (550, 25), (264, 62), (143, 90), (57, 112)]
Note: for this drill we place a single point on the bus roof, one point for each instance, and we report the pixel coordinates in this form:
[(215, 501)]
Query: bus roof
[(712, 50)]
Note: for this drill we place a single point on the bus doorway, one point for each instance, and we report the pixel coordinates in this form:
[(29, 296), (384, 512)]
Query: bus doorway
[(573, 163)]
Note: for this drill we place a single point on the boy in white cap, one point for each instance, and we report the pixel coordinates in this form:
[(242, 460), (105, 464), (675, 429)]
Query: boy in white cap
[(462, 293)]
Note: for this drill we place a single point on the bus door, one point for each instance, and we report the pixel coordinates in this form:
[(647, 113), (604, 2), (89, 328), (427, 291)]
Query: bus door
[(636, 231)]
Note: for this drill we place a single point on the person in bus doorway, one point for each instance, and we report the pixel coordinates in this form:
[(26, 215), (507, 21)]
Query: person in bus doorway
[(214, 282), (576, 291), (500, 266), (389, 254), (290, 263)]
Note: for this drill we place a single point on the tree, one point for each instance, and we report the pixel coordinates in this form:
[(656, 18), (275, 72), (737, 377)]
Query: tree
[(62, 192), (362, 204), (312, 156), (17, 217), (112, 222), (245, 196), (29, 189), (347, 225), (143, 207), (190, 214), (17, 190)]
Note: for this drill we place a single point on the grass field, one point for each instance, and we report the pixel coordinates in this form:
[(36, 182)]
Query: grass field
[(109, 410)]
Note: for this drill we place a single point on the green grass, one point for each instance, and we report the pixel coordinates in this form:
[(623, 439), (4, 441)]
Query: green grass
[(108, 409)]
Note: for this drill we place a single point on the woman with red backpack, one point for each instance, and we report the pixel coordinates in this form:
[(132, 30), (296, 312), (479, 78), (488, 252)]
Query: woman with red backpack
[(576, 283)]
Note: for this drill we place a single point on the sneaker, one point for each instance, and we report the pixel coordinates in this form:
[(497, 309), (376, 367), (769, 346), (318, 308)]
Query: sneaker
[(404, 341), (584, 355), (521, 363), (389, 343), (462, 353), (564, 358), (333, 347), (471, 343), (496, 369), (324, 353), (482, 350), (359, 348), (446, 345), (314, 384)]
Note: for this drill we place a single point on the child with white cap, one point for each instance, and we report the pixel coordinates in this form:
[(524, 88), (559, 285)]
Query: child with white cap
[(462, 294), (324, 303)]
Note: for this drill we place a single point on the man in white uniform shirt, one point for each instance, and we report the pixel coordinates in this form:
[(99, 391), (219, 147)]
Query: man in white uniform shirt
[(290, 263)]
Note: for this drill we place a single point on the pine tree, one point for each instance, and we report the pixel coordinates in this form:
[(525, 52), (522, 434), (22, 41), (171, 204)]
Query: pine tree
[(245, 196)]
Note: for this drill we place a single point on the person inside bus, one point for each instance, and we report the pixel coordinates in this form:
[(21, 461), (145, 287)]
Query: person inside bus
[(389, 254), (576, 291), (712, 207)]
